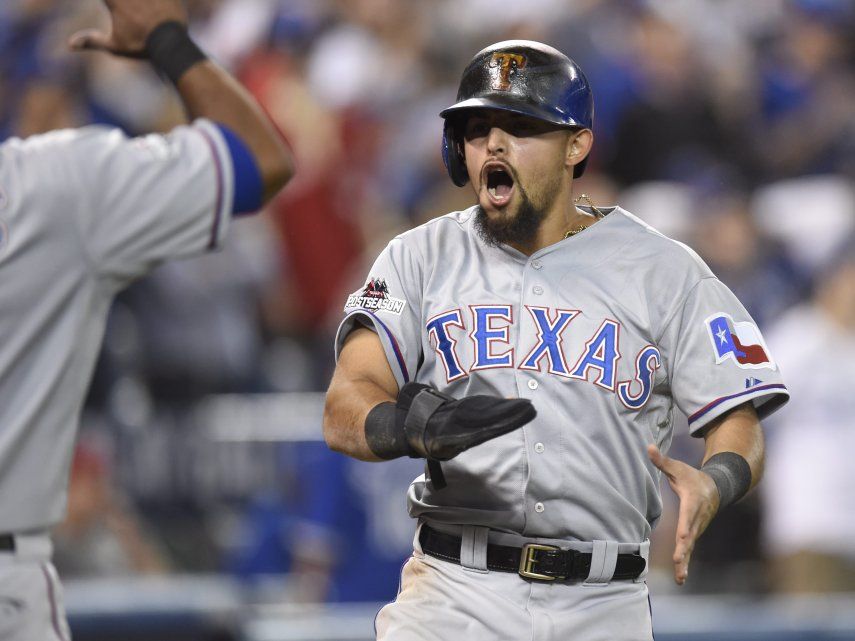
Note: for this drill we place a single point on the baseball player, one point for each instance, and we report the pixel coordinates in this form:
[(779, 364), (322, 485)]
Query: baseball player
[(84, 212), (537, 527)]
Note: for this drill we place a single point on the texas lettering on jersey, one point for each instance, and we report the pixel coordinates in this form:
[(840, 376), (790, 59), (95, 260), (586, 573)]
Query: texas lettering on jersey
[(490, 328)]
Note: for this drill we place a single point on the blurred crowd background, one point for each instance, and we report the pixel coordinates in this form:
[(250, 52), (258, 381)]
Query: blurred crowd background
[(727, 124)]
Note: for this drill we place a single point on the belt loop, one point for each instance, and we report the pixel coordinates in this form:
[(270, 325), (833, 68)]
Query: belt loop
[(603, 562), (35, 546), (417, 544), (644, 552), (473, 548)]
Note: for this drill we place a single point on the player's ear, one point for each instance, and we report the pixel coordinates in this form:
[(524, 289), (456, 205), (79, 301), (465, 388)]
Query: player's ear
[(579, 145)]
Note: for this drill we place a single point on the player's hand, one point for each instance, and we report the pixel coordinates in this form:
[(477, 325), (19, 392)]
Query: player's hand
[(132, 21), (458, 424), (698, 505)]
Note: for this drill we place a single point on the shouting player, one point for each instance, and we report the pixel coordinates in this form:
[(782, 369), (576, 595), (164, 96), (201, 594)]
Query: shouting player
[(537, 527), (85, 212)]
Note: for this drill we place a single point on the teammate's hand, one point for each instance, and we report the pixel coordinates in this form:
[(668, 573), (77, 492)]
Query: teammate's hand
[(132, 21), (458, 424), (698, 505)]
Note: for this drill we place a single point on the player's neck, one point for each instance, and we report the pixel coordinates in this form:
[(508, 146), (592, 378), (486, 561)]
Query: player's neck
[(554, 228)]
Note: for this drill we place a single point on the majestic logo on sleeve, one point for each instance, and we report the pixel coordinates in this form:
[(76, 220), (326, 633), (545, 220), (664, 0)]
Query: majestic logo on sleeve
[(502, 66), (738, 341), (375, 297)]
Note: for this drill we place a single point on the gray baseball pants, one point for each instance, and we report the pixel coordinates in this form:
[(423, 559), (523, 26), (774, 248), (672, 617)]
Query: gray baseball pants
[(442, 601)]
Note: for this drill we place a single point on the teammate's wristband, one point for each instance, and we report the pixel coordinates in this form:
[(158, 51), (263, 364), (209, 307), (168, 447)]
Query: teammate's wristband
[(171, 50), (731, 474), (384, 432)]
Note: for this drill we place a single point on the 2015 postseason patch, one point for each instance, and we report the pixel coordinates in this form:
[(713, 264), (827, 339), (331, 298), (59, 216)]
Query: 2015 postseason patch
[(375, 297)]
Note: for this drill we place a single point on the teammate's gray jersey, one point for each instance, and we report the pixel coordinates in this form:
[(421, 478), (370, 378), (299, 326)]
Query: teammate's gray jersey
[(82, 213), (605, 332)]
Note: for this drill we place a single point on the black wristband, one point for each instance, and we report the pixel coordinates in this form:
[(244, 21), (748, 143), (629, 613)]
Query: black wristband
[(171, 50), (384, 431), (732, 476)]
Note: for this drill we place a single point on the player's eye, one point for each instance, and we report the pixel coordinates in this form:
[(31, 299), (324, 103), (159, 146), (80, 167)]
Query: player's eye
[(476, 129), (521, 127)]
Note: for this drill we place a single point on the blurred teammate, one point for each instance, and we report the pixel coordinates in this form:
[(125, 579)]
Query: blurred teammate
[(83, 213), (537, 527)]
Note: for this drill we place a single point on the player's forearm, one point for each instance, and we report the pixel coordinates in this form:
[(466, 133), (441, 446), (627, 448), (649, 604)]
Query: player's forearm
[(157, 30), (740, 432), (208, 91), (347, 405)]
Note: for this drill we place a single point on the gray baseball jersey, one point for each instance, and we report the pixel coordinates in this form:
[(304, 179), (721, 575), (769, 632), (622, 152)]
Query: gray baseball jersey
[(82, 213), (606, 332)]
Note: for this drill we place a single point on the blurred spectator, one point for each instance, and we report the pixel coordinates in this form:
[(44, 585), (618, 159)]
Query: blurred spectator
[(809, 504), (666, 206), (758, 270), (809, 215), (807, 124), (101, 536), (671, 129), (342, 531)]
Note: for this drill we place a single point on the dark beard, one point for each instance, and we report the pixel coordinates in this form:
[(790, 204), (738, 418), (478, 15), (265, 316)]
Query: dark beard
[(522, 228)]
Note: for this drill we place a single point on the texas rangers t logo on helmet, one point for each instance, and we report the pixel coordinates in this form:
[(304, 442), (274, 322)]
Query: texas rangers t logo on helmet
[(741, 342), (502, 65)]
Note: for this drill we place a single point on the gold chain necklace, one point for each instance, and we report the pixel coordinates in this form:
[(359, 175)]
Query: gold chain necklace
[(573, 232), (600, 214)]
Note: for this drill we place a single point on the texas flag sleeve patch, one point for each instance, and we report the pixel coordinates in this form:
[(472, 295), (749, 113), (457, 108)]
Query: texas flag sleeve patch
[(738, 341)]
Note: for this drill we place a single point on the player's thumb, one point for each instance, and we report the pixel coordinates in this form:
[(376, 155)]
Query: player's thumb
[(658, 458), (90, 40)]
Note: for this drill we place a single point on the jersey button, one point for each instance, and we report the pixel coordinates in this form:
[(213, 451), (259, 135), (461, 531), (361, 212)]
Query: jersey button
[(537, 289), (538, 507), (536, 264), (538, 447), (532, 384)]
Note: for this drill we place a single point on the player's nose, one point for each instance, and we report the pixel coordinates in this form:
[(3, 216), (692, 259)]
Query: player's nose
[(497, 141)]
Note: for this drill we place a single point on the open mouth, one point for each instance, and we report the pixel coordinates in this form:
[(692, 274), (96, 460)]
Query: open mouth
[(500, 184)]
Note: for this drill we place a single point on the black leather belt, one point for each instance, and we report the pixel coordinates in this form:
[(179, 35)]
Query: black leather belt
[(7, 543), (531, 561)]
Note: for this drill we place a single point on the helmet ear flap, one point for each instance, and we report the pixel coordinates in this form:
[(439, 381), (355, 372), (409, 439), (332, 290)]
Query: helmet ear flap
[(452, 156)]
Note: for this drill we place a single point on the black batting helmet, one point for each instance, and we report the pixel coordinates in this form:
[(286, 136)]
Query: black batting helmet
[(525, 77)]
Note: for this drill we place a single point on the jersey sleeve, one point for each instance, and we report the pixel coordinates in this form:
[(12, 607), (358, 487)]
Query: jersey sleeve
[(390, 304), (151, 198), (718, 357)]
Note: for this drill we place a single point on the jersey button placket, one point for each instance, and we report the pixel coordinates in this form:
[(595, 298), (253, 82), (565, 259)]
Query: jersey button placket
[(539, 507)]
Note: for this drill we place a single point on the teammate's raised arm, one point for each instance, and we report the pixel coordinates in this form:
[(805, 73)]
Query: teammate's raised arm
[(156, 30)]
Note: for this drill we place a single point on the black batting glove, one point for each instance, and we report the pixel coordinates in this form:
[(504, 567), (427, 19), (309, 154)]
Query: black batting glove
[(425, 423)]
